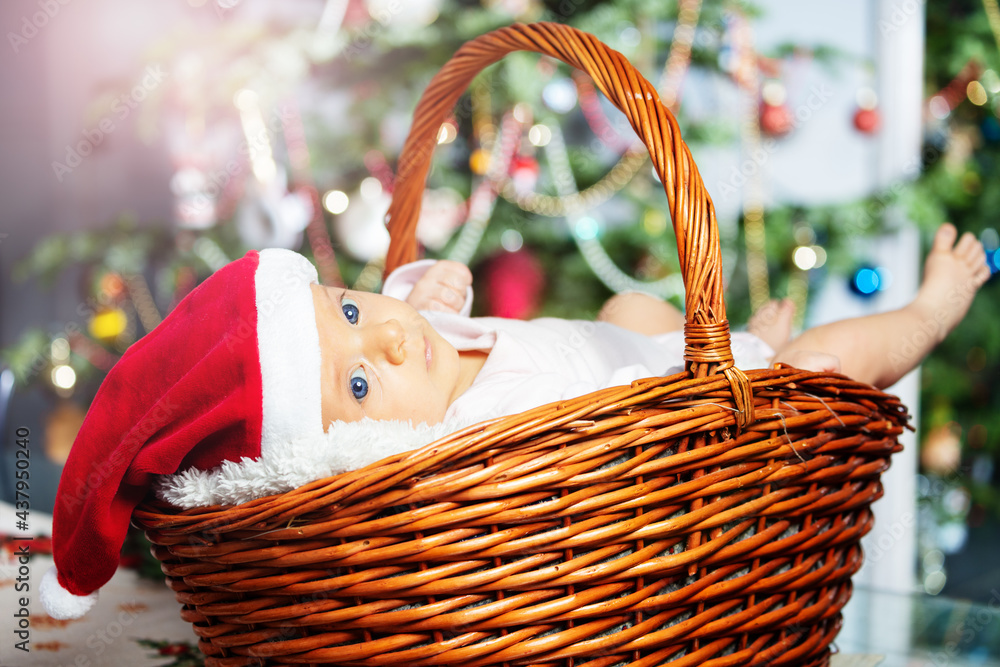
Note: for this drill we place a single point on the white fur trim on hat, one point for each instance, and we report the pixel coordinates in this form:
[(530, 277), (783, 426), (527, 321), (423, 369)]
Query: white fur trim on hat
[(345, 446), (288, 342), (58, 602)]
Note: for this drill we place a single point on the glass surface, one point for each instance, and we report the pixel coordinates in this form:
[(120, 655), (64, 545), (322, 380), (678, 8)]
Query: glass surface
[(918, 630)]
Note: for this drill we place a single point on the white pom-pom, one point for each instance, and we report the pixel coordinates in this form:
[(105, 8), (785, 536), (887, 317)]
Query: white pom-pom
[(60, 603)]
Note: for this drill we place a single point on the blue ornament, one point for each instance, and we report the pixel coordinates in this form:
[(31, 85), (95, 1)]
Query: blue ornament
[(991, 129), (868, 280)]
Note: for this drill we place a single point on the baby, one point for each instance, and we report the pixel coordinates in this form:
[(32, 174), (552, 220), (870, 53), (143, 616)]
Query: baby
[(260, 357), (379, 353)]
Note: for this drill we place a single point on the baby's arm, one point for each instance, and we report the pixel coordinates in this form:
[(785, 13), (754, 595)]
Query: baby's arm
[(443, 286)]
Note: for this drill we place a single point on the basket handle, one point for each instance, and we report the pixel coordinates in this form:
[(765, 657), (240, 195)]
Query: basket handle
[(706, 331)]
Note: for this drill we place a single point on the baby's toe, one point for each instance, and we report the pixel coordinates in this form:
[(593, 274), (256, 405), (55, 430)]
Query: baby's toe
[(944, 238), (968, 247), (983, 273)]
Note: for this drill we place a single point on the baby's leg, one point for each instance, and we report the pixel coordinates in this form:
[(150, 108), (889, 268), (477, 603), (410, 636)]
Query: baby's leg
[(641, 313), (880, 349)]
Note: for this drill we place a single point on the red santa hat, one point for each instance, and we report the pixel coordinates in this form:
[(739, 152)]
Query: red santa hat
[(232, 372)]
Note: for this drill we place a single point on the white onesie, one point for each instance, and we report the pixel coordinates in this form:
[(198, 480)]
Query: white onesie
[(534, 362)]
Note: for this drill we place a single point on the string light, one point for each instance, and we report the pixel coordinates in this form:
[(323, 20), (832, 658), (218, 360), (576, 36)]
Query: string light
[(336, 201), (447, 133), (586, 230), (255, 130), (754, 234), (370, 187), (484, 197), (990, 81), (622, 173), (210, 252), (976, 93), (298, 158), (539, 135), (60, 350), (138, 290), (63, 377), (939, 107), (511, 240), (993, 16), (804, 257)]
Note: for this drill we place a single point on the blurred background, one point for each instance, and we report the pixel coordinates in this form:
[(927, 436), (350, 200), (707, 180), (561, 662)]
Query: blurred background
[(147, 144)]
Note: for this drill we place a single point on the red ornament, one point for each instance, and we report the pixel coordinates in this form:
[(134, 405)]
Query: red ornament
[(524, 173), (174, 649), (113, 286), (867, 120), (775, 119), (514, 282)]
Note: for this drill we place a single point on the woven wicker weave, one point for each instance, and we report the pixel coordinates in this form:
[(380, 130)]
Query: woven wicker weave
[(708, 518)]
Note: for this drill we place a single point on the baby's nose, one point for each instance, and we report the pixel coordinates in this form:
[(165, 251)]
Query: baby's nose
[(390, 341)]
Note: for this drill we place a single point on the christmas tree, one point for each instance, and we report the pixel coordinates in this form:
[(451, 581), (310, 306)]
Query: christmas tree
[(285, 130)]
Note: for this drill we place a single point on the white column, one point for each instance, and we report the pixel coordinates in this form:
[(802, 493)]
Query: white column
[(880, 622)]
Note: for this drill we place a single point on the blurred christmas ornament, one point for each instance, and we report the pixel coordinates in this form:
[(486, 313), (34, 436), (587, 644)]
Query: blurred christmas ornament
[(107, 324), (443, 210), (941, 452), (524, 173), (271, 217), (401, 16), (361, 228), (941, 104), (867, 119), (112, 286), (61, 427), (775, 116), (514, 284), (868, 280), (195, 199), (560, 95), (479, 161)]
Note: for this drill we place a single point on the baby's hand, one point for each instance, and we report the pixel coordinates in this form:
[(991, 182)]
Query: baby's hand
[(442, 288)]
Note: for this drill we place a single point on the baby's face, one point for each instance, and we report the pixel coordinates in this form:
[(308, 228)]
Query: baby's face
[(381, 359)]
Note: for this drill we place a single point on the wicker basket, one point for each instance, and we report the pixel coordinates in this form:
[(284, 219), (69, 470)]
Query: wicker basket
[(708, 518)]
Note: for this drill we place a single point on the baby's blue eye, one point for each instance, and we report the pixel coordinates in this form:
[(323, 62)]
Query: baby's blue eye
[(351, 310), (359, 384)]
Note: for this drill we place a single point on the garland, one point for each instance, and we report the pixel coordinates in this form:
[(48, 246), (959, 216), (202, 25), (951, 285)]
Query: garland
[(635, 157)]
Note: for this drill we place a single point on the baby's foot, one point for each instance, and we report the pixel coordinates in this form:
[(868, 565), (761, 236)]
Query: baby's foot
[(953, 273), (773, 322)]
